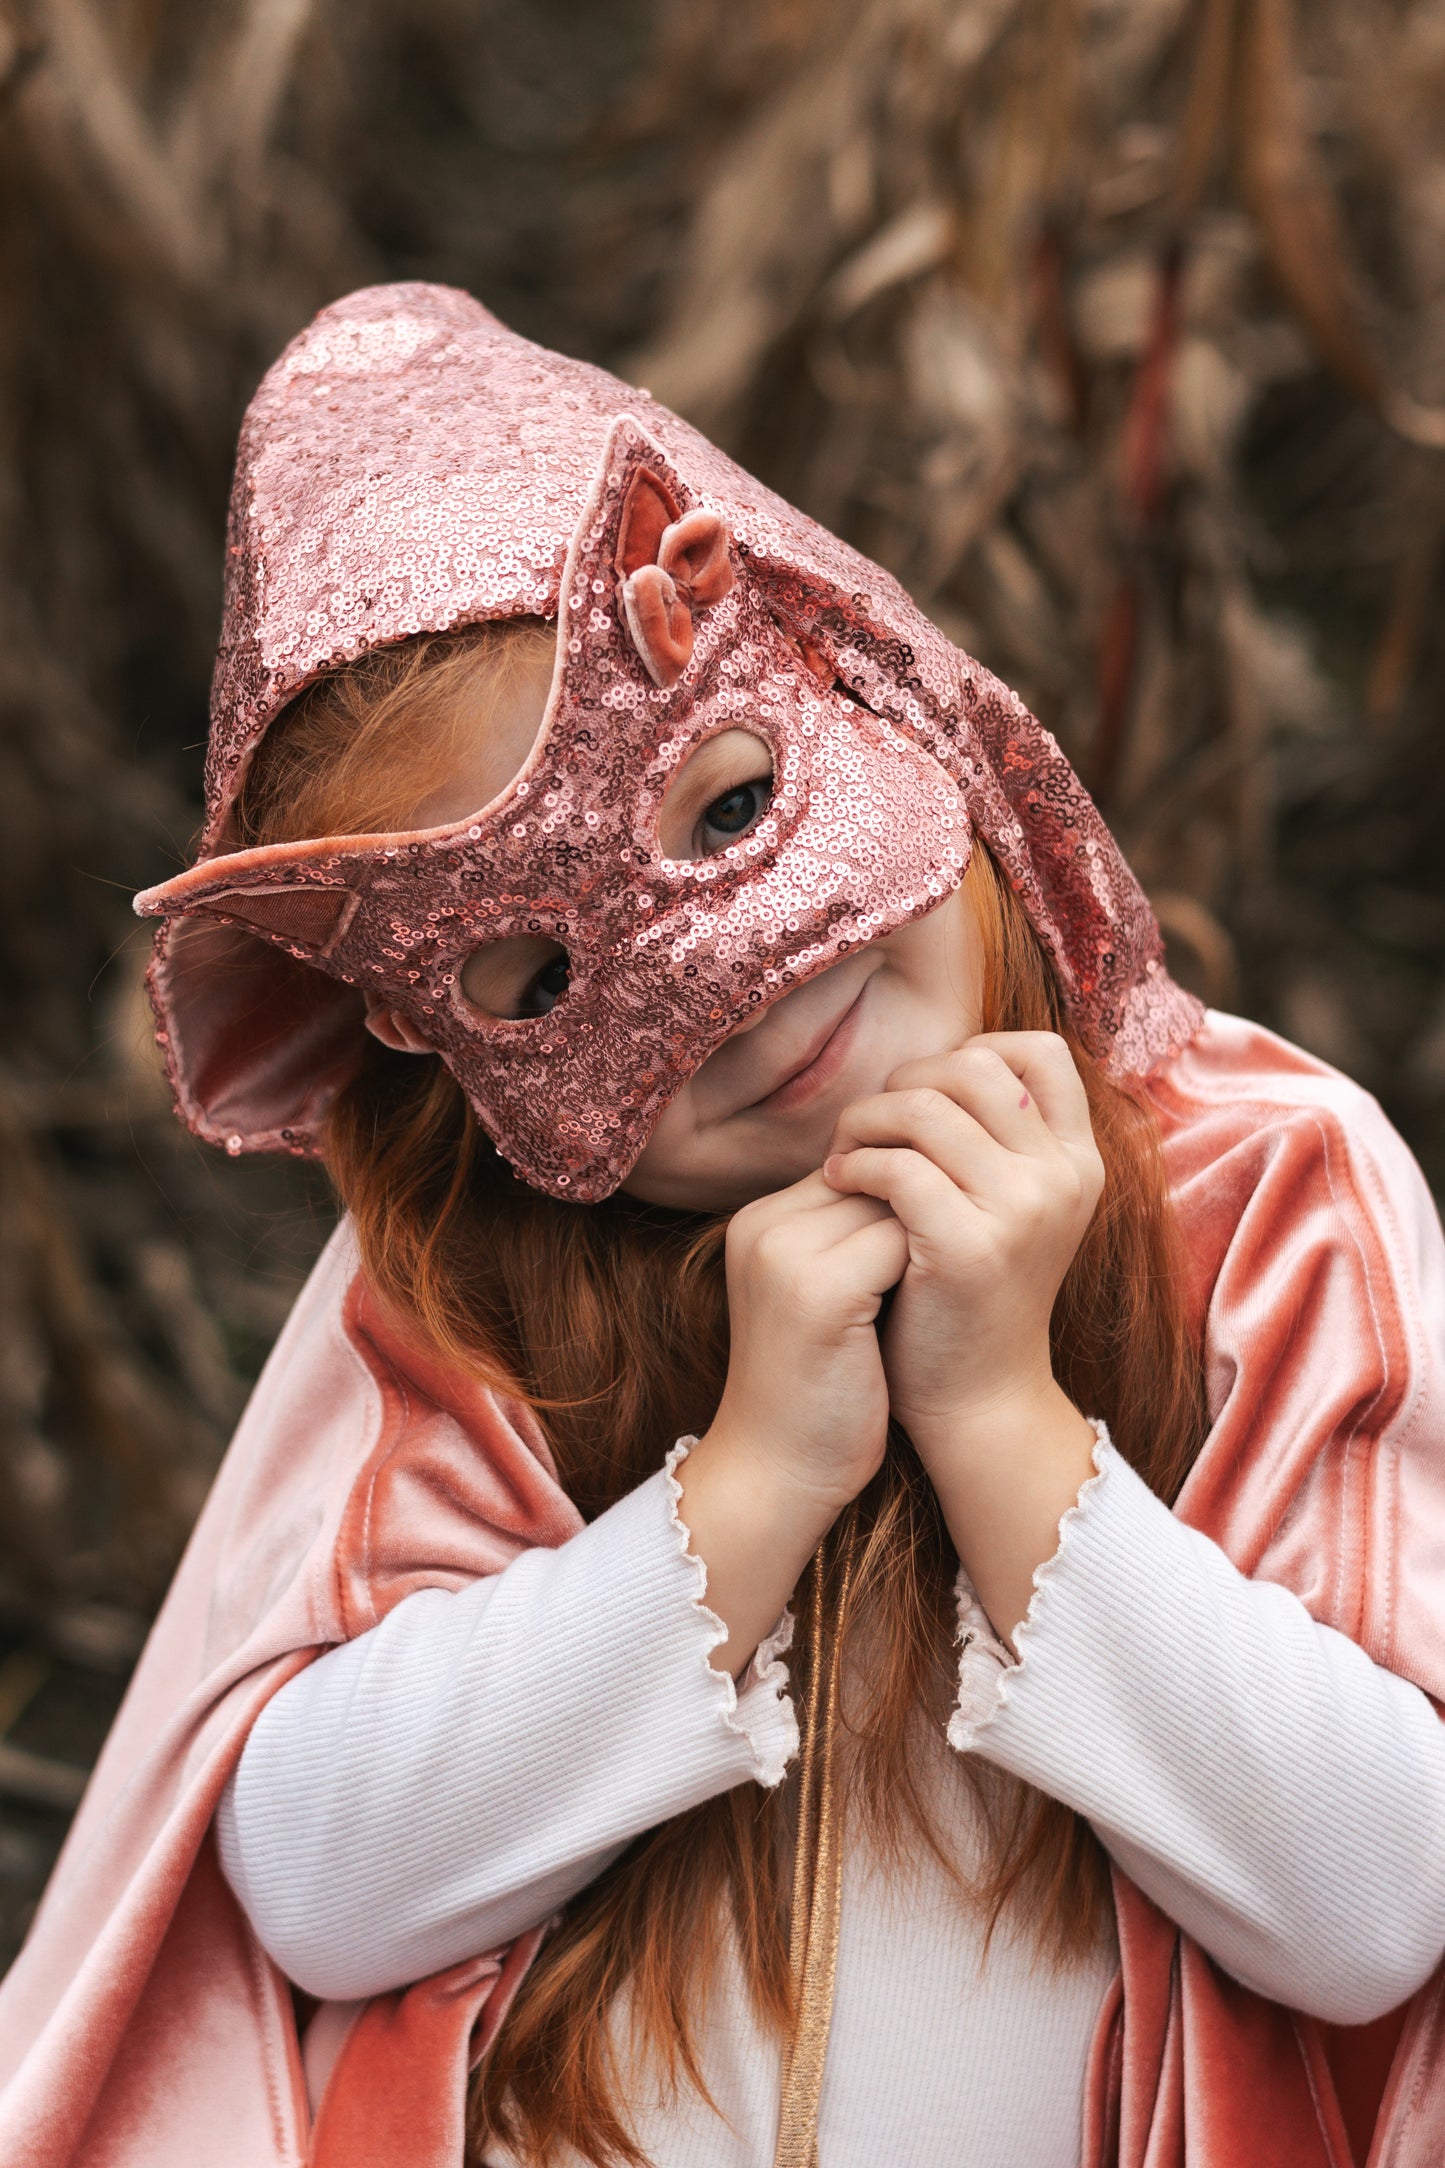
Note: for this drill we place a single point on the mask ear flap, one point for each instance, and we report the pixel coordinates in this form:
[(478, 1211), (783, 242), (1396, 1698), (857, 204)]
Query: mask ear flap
[(260, 1034), (258, 1043), (309, 917), (301, 915)]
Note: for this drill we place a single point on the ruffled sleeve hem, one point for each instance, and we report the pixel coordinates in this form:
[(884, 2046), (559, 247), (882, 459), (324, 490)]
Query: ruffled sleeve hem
[(759, 1708), (987, 1672)]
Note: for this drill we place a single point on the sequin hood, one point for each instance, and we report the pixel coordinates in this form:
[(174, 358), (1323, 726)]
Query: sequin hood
[(411, 465)]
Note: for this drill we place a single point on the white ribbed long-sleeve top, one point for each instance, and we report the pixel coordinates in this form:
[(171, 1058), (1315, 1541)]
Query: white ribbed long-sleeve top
[(450, 1778)]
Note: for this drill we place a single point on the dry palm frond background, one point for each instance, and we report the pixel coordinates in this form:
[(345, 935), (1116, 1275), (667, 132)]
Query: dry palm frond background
[(1115, 327)]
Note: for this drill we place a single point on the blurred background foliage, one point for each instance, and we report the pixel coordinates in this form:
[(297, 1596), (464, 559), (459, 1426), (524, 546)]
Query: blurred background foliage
[(1115, 327)]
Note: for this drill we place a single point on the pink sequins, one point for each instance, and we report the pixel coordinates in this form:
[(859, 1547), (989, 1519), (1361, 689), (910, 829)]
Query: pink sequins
[(409, 464)]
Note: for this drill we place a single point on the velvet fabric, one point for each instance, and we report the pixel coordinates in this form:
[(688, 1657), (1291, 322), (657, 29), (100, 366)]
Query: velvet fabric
[(144, 2027)]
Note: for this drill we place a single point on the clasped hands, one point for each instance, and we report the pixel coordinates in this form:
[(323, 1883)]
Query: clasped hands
[(965, 1187)]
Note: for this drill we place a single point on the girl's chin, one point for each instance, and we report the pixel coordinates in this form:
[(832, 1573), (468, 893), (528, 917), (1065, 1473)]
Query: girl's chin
[(753, 1167)]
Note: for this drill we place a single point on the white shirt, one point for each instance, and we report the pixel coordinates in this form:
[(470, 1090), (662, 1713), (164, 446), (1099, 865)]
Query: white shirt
[(450, 1778)]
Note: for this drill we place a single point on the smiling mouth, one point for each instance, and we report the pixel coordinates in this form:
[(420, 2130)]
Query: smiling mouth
[(816, 1071)]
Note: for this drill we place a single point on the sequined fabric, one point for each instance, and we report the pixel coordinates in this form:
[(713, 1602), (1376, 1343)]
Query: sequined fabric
[(408, 465)]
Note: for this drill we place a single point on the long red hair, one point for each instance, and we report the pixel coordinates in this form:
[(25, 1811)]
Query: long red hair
[(611, 1320)]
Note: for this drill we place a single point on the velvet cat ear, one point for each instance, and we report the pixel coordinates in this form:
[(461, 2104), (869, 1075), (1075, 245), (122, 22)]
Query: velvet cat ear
[(648, 510), (670, 568)]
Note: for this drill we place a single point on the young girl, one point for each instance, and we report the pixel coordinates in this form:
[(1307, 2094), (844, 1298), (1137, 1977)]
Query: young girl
[(690, 1658)]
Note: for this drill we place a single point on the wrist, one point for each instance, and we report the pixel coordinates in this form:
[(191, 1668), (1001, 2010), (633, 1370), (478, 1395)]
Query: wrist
[(754, 1533), (764, 1488), (1005, 1477), (1011, 1415), (1030, 1437)]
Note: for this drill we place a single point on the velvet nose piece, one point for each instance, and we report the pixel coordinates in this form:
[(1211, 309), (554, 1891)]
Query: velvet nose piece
[(691, 570)]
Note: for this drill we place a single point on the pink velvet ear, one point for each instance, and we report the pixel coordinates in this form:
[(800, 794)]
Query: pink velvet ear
[(394, 1030), (695, 552), (660, 623), (693, 570), (648, 512)]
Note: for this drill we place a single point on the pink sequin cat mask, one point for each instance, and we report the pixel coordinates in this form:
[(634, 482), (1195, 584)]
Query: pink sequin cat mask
[(410, 465)]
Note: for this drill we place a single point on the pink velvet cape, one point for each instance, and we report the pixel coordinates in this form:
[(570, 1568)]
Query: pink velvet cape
[(144, 2027)]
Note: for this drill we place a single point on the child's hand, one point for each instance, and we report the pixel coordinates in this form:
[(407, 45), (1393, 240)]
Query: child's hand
[(987, 1157), (806, 1272), (804, 1416)]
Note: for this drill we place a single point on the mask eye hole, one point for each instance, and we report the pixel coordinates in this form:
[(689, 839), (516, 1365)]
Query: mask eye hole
[(523, 975), (721, 792), (733, 813)]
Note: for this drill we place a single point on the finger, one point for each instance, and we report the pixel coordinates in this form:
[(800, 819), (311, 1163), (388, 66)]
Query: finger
[(850, 1215), (1043, 1067), (809, 1195), (929, 1121), (848, 1255), (977, 1078), (809, 1231), (920, 1194), (877, 1254)]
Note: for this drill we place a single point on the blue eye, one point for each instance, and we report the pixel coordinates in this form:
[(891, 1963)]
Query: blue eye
[(733, 814), (547, 988)]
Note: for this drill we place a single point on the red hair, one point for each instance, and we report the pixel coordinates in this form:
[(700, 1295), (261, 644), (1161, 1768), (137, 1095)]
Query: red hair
[(611, 1320)]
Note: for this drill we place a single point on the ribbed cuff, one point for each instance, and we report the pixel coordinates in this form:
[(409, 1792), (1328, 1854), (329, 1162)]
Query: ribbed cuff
[(987, 1672), (759, 1708)]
